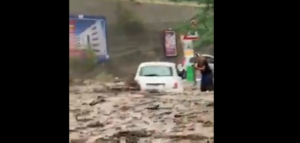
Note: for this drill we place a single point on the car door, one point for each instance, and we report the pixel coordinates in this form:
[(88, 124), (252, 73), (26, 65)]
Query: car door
[(210, 61)]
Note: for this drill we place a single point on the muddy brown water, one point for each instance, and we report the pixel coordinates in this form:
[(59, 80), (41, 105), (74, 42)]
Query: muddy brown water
[(135, 117)]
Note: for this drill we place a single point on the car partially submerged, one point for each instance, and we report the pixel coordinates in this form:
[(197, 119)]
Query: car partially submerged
[(161, 76)]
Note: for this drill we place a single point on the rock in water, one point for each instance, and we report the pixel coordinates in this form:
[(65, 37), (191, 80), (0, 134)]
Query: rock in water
[(99, 99), (95, 124), (132, 84)]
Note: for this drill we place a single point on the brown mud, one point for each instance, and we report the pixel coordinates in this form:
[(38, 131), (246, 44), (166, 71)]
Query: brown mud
[(98, 115)]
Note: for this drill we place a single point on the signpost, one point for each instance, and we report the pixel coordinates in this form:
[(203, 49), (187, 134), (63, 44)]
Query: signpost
[(188, 48)]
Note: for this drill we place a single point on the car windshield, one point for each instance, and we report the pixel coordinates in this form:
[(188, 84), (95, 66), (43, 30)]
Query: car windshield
[(156, 71)]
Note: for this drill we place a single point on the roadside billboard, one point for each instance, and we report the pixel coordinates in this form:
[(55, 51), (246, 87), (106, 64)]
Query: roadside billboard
[(88, 32), (170, 43)]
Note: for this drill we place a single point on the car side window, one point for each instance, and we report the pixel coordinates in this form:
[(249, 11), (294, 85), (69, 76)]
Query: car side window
[(192, 60)]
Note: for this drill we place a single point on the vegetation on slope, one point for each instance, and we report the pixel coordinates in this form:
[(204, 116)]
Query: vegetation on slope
[(204, 23)]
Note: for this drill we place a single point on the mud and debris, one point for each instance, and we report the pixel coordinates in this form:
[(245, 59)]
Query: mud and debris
[(99, 113)]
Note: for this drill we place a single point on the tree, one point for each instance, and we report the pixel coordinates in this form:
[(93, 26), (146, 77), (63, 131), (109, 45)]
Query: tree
[(204, 22)]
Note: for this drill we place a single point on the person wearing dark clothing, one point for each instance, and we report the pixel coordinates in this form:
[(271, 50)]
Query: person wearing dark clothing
[(206, 73)]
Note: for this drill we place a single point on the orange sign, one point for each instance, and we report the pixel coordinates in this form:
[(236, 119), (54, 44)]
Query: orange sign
[(188, 52), (72, 27)]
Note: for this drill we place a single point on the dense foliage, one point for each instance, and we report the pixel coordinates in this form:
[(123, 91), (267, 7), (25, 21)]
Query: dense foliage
[(205, 22)]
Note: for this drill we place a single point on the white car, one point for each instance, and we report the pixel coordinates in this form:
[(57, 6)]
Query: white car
[(188, 61), (161, 76)]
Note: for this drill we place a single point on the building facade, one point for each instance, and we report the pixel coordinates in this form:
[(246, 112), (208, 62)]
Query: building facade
[(94, 38)]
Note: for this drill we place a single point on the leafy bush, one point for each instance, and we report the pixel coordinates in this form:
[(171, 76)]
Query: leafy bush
[(103, 76), (80, 66), (205, 23), (86, 67)]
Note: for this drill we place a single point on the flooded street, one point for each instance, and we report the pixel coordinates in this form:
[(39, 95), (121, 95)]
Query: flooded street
[(100, 116)]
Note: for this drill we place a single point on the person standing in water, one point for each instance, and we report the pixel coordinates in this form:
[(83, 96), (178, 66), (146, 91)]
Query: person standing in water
[(206, 74)]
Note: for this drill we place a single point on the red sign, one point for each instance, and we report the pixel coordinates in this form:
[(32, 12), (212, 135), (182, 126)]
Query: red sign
[(72, 35), (72, 40), (191, 36), (194, 35)]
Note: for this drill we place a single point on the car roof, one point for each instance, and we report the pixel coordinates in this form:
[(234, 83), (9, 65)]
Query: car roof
[(157, 63), (205, 55), (188, 58)]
